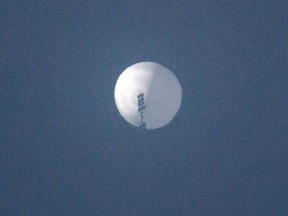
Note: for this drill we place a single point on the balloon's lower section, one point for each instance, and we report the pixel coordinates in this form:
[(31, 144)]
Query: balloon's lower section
[(148, 95)]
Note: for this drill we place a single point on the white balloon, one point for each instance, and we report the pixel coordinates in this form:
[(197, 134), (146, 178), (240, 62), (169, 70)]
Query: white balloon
[(148, 95)]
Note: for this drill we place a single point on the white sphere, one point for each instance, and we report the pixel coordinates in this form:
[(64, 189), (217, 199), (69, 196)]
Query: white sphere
[(161, 91)]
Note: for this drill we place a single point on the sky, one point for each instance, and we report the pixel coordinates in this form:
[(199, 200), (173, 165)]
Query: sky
[(66, 150)]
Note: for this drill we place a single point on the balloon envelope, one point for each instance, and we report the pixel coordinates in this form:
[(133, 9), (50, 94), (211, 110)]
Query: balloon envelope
[(148, 94)]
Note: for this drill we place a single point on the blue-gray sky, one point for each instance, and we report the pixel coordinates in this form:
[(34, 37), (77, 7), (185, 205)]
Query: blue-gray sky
[(65, 149)]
